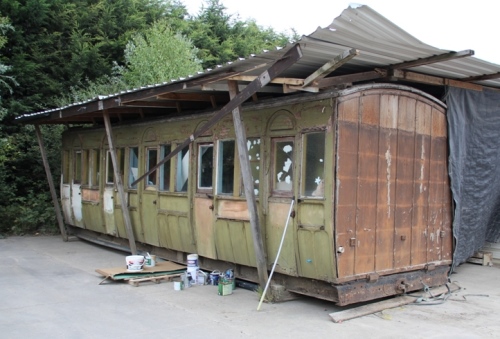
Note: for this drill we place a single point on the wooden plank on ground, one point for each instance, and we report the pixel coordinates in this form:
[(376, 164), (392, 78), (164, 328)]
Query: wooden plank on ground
[(163, 266), (360, 311)]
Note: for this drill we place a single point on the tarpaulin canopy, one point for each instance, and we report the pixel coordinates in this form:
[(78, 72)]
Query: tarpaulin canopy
[(474, 139)]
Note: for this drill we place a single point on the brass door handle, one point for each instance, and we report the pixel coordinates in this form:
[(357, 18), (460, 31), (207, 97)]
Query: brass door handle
[(211, 207)]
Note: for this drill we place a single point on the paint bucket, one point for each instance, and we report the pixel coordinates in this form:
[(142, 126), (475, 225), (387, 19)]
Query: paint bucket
[(150, 260), (134, 263), (178, 285), (185, 278), (193, 272), (214, 278), (192, 260), (201, 278), (225, 287)]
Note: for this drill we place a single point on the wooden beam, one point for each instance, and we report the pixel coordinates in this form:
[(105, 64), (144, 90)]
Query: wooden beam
[(330, 66), (246, 173), (482, 77), (433, 80), (50, 180), (287, 60), (351, 78), (250, 78), (119, 184), (433, 59), (292, 89), (193, 97)]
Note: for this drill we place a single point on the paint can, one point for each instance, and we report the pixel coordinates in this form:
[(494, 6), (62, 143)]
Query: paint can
[(201, 278), (186, 279), (214, 278), (150, 260), (193, 272), (178, 285), (225, 287), (192, 260)]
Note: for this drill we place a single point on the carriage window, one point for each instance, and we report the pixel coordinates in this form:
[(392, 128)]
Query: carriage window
[(253, 146), (94, 167), (151, 161), (165, 169), (314, 160), (225, 180), (133, 163), (85, 167), (182, 170), (65, 169), (109, 168), (205, 166), (283, 165), (120, 153), (77, 168)]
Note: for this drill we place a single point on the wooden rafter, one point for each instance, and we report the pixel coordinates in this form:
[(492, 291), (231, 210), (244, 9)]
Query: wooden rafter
[(351, 78), (433, 59), (287, 81), (193, 97), (330, 66), (482, 77)]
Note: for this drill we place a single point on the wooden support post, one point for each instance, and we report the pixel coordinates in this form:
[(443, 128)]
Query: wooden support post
[(246, 173), (52, 188), (119, 184)]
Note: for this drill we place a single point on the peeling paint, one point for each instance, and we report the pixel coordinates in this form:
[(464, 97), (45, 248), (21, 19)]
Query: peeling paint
[(422, 162), (388, 158)]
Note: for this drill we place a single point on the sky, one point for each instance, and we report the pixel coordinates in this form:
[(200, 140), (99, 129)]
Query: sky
[(453, 25)]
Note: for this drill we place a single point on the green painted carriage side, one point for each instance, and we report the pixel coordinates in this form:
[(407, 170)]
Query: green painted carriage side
[(166, 219)]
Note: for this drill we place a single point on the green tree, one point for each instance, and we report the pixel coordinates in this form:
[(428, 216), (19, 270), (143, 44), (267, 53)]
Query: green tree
[(157, 55)]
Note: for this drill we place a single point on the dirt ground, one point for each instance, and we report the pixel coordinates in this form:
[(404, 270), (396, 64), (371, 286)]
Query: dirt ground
[(49, 289)]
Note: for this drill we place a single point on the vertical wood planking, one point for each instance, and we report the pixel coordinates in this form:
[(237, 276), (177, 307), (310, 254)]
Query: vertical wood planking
[(384, 251), (404, 181), (347, 169), (447, 245), (436, 180), (367, 184), (421, 184)]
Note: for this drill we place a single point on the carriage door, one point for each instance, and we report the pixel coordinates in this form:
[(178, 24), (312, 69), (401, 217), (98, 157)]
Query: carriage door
[(204, 200), (66, 189), (76, 193), (149, 208), (314, 233)]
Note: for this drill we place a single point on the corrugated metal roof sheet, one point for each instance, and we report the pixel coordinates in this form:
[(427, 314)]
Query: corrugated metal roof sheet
[(381, 43)]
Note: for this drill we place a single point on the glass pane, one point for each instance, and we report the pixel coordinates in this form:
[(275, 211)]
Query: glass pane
[(165, 169), (120, 153), (85, 167), (152, 160), (283, 169), (205, 165), (182, 170), (77, 174), (314, 173), (133, 171), (226, 167), (109, 168), (66, 167), (253, 146), (94, 171)]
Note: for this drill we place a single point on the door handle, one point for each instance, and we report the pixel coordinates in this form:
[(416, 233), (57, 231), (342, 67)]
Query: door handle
[(154, 202), (211, 207)]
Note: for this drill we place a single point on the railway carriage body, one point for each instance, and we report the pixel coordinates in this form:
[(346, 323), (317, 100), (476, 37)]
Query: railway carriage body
[(366, 169)]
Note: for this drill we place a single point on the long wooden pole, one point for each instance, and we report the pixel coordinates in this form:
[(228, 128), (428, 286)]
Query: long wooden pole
[(52, 188), (119, 184), (246, 173)]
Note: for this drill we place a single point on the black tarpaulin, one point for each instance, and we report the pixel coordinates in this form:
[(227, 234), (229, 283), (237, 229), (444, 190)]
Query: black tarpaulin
[(474, 138)]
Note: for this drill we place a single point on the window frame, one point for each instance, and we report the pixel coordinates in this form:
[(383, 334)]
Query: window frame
[(168, 164), (304, 168), (274, 191), (204, 189)]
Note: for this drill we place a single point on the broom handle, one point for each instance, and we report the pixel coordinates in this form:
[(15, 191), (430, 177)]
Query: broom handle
[(277, 255)]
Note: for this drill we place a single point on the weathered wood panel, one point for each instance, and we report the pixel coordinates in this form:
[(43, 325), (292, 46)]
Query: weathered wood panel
[(392, 189), (275, 226), (204, 228), (230, 209)]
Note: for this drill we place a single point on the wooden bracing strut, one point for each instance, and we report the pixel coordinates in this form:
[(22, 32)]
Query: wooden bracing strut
[(287, 60)]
